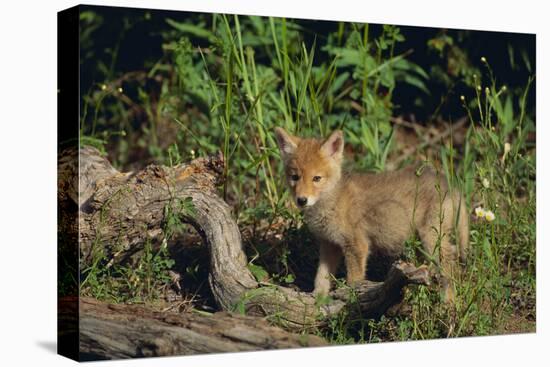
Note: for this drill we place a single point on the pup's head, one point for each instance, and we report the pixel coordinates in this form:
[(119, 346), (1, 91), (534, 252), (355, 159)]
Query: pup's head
[(313, 167)]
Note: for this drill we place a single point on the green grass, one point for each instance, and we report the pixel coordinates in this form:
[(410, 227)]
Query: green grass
[(225, 85)]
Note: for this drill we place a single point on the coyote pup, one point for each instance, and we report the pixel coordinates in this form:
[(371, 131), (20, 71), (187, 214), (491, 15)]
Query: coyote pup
[(355, 215)]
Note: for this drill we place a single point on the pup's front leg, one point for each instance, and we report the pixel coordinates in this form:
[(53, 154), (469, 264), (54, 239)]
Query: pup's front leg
[(356, 254), (329, 259)]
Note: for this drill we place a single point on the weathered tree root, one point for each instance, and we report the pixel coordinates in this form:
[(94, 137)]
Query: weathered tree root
[(119, 212)]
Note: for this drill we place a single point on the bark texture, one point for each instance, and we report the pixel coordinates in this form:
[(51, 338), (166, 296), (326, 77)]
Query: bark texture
[(130, 331)]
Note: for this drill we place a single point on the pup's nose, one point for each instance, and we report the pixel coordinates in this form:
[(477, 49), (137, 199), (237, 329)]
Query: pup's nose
[(302, 200)]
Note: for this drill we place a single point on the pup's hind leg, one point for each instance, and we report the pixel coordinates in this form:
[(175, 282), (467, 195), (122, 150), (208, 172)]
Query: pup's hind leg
[(449, 262), (436, 238)]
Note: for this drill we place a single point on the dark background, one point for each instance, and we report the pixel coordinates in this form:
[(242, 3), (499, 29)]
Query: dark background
[(140, 34)]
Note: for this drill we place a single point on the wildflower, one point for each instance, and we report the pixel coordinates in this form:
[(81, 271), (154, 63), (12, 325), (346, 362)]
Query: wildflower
[(479, 88), (480, 213), (507, 148), (119, 89), (462, 98), (483, 59), (485, 183), (103, 86), (503, 89), (487, 91), (489, 216), (192, 152)]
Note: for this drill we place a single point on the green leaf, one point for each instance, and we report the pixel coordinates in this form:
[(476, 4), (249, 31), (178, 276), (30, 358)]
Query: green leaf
[(259, 272), (194, 30), (339, 81), (416, 82), (289, 278), (487, 248)]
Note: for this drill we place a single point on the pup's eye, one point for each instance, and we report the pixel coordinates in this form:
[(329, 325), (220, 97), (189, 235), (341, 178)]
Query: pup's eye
[(294, 177), (316, 178)]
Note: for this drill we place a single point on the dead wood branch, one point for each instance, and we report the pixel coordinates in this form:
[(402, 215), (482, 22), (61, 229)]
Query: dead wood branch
[(432, 141), (110, 331)]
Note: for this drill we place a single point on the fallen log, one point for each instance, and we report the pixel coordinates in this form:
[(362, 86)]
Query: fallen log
[(119, 212), (109, 331)]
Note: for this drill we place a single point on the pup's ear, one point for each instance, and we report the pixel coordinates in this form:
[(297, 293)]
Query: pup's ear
[(333, 147), (287, 143)]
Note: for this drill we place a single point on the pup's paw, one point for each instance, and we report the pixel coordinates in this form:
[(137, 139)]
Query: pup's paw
[(321, 289)]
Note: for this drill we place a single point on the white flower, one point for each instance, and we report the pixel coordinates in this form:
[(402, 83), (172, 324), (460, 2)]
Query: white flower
[(103, 86), (485, 183), (483, 59), (480, 213), (119, 90), (489, 216), (507, 148)]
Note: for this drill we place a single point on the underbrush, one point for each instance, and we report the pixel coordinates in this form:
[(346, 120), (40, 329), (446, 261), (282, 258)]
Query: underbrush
[(224, 83)]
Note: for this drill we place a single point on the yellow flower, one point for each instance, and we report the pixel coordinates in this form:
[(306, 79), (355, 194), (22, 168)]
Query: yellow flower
[(480, 213), (489, 216)]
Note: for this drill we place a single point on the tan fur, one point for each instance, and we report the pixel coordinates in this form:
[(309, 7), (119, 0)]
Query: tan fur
[(354, 215)]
